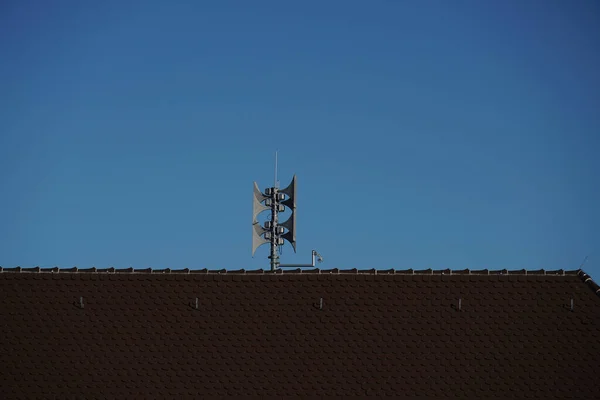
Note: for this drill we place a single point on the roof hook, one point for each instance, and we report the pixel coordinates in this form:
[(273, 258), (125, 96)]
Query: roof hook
[(572, 305), (195, 305)]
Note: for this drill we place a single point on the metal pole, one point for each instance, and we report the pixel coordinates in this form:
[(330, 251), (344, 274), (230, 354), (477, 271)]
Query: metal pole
[(274, 221), (274, 236)]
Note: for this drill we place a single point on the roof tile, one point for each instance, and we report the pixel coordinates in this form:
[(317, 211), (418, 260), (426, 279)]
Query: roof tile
[(255, 332)]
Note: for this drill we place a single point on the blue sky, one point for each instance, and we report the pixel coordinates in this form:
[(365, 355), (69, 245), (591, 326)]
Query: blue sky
[(424, 134)]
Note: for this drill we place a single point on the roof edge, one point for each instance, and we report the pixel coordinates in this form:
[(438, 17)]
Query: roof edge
[(371, 271), (586, 278), (589, 281)]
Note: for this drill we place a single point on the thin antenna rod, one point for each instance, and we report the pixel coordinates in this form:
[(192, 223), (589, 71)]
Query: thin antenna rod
[(583, 263), (275, 183)]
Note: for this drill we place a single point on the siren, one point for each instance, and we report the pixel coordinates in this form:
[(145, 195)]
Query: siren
[(290, 223), (273, 232), (257, 230)]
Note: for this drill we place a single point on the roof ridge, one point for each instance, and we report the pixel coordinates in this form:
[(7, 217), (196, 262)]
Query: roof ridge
[(390, 271), (586, 278)]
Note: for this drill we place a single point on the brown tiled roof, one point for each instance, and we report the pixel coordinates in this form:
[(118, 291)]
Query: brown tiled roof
[(424, 334)]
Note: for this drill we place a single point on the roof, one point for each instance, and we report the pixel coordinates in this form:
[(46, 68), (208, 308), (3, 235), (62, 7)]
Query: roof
[(430, 334)]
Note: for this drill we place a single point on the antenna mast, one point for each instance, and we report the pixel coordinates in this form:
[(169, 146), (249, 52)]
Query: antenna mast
[(274, 232)]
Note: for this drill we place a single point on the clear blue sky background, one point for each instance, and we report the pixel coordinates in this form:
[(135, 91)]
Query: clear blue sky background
[(442, 134)]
